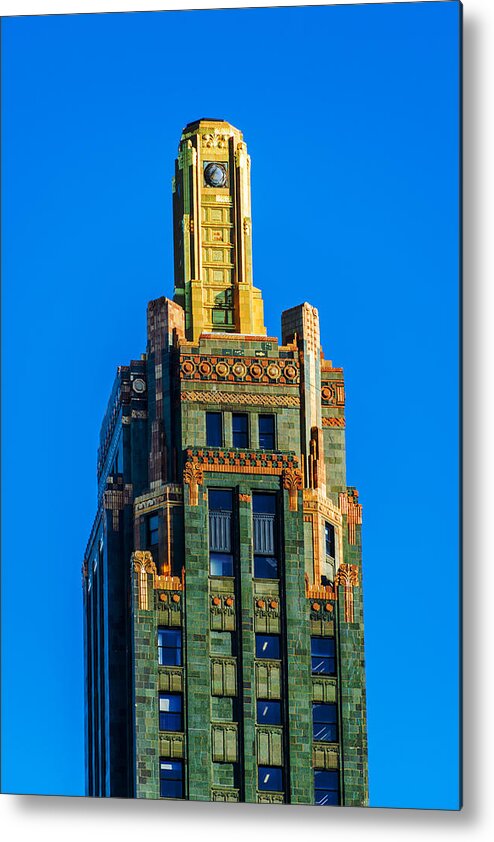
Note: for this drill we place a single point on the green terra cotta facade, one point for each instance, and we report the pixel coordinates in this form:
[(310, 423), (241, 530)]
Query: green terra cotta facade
[(224, 642)]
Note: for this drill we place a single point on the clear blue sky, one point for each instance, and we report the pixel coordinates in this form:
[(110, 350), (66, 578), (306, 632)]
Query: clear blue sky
[(351, 118)]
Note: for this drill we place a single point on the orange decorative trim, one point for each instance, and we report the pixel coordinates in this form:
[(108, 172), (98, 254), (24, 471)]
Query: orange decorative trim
[(322, 592), (292, 482), (238, 461), (236, 398), (347, 577), (193, 477), (143, 564), (263, 370), (350, 507), (245, 498), (333, 421)]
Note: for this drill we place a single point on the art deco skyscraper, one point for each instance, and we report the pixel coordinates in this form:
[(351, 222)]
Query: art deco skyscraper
[(222, 580)]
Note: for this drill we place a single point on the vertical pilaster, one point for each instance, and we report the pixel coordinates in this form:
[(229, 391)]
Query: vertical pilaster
[(299, 683), (197, 648)]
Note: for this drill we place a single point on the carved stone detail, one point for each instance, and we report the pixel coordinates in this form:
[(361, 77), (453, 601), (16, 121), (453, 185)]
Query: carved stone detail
[(350, 507), (143, 564), (236, 398), (292, 482), (115, 497), (347, 576), (193, 477), (249, 369), (333, 421)]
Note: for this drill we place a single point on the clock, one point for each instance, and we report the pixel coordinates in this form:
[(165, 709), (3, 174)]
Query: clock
[(215, 174), (139, 386)]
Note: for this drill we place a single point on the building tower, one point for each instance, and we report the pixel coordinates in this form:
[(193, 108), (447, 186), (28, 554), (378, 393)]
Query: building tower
[(224, 649)]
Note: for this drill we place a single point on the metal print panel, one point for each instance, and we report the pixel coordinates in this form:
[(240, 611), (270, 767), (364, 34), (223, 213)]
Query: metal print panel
[(298, 256)]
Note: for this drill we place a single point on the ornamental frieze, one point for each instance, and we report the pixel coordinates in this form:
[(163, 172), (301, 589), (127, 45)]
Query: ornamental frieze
[(245, 370), (199, 460), (240, 398), (333, 421), (332, 393)]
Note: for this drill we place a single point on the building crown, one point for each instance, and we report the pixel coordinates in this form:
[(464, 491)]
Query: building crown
[(213, 232)]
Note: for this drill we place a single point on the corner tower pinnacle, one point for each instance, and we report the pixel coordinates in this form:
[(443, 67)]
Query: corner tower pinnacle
[(213, 232)]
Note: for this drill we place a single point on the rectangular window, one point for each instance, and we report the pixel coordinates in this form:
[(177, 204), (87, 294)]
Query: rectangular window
[(220, 532), (270, 779), (264, 534), (326, 787), (325, 727), (266, 432), (268, 646), (170, 647), (153, 531), (170, 710), (240, 429), (329, 536), (214, 429), (323, 655), (171, 778), (268, 712)]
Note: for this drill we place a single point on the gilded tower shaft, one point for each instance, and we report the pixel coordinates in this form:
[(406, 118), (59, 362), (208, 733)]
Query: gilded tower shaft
[(213, 232)]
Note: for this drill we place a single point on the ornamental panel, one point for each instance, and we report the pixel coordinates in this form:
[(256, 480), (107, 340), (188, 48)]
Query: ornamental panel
[(325, 756), (269, 746), (223, 677), (225, 795), (170, 679), (172, 744), (224, 742), (324, 690), (268, 680)]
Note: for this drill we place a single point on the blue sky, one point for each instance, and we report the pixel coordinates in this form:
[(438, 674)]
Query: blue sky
[(351, 118)]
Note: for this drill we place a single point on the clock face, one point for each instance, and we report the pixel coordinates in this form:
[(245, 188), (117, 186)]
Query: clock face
[(215, 174), (139, 386)]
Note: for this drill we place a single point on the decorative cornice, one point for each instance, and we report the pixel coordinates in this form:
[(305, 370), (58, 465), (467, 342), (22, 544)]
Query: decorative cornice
[(257, 370), (238, 461)]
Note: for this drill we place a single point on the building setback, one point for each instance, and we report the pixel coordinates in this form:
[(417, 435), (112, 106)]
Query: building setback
[(224, 648)]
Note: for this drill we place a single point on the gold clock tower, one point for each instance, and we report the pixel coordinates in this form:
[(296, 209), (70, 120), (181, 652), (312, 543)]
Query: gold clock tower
[(213, 232)]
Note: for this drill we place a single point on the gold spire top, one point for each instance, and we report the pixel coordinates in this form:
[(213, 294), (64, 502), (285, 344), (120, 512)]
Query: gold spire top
[(213, 232)]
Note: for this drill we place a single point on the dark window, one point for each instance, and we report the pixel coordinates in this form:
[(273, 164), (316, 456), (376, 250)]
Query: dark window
[(170, 712), (171, 778), (153, 531), (240, 429), (330, 540), (214, 429), (266, 432), (268, 713), (326, 787), (270, 779), (324, 723), (220, 532), (323, 656), (264, 529), (267, 646), (170, 647)]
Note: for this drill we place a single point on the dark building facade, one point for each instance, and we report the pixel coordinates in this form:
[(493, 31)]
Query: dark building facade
[(224, 649)]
